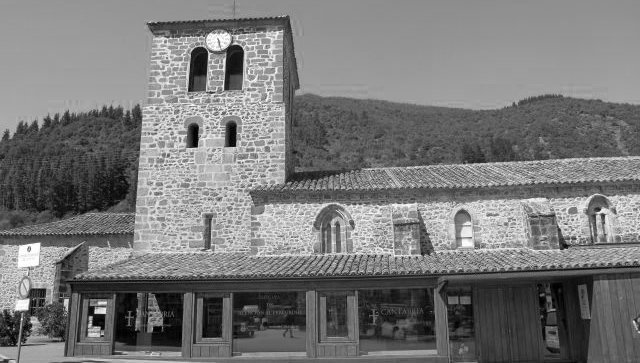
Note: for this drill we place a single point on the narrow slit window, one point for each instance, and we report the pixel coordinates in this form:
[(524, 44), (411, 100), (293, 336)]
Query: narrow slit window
[(198, 70), (234, 73), (231, 134), (192, 135)]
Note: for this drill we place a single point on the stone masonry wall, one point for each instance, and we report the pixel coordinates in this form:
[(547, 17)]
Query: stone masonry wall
[(103, 250), (285, 224), (177, 185)]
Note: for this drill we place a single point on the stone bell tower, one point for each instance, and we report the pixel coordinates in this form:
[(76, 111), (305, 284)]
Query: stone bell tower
[(217, 124)]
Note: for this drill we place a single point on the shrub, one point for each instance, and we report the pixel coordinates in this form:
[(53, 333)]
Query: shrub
[(10, 327), (53, 320)]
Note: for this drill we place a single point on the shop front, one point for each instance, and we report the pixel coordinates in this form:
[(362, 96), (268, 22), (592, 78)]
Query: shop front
[(192, 320), (410, 314)]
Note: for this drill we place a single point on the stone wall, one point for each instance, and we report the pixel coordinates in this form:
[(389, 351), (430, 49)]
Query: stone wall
[(284, 224), (103, 250), (178, 186)]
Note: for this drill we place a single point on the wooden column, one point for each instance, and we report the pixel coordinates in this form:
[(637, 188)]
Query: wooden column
[(187, 324), (442, 322), (72, 325), (312, 323)]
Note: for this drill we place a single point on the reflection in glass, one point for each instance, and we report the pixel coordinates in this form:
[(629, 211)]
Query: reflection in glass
[(462, 342), (269, 322), (337, 315), (549, 299), (399, 319), (149, 323), (211, 317), (96, 318)]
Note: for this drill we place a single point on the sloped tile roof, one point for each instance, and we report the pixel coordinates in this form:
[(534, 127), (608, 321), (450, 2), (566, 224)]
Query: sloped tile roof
[(463, 176), (84, 224), (283, 17), (213, 266)]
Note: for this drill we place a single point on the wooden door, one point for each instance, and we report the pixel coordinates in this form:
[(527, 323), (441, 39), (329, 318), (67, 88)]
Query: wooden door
[(508, 324)]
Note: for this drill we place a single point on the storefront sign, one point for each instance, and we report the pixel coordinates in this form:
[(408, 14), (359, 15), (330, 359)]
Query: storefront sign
[(583, 294), (29, 255), (22, 305)]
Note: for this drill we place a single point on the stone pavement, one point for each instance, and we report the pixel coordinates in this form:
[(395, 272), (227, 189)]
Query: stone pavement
[(44, 350)]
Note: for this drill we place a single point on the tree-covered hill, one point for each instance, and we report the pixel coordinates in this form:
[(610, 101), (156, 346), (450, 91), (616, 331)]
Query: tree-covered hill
[(336, 133), (69, 164), (75, 163)]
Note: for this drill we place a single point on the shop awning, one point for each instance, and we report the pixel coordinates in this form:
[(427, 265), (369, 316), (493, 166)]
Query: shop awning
[(218, 266)]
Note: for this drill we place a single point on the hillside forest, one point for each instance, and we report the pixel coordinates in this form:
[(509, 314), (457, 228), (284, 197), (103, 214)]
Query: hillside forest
[(72, 163)]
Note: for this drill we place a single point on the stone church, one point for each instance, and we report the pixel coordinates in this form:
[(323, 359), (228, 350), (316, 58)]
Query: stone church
[(236, 256)]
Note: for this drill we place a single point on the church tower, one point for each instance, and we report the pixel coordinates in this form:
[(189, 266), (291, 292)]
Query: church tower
[(217, 124)]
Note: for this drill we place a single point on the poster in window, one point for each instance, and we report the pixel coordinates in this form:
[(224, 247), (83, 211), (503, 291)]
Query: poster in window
[(100, 310), (93, 332), (583, 294), (465, 300), (453, 300)]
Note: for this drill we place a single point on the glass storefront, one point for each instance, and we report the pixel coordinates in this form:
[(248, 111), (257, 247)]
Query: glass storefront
[(148, 323), (462, 342), (211, 309), (269, 322), (336, 313), (96, 318), (396, 319)]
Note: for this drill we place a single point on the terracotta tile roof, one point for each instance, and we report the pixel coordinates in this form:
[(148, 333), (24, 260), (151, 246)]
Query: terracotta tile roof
[(462, 176), (213, 266), (84, 224), (159, 25)]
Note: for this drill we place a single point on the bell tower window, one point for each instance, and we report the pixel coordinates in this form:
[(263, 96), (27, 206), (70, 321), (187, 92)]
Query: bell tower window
[(192, 135), (234, 72), (230, 134), (198, 70)]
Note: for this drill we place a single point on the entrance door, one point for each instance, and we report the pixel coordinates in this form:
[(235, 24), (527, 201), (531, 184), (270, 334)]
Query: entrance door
[(508, 324)]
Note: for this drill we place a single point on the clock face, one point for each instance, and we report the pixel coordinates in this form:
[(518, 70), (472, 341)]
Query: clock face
[(218, 40)]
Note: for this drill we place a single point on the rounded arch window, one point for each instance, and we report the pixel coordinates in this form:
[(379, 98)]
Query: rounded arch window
[(234, 68), (464, 229), (600, 213), (193, 131), (334, 226), (230, 134), (198, 70)]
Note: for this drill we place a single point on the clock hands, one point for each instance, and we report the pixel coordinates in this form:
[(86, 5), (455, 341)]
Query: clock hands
[(219, 45)]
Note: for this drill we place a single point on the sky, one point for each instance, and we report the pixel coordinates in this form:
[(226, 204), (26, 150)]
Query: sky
[(480, 54)]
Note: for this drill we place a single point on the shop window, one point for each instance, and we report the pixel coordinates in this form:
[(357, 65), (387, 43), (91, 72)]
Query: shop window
[(269, 322), (193, 131), (337, 321), (601, 216), (462, 342), (95, 318), (198, 70), (37, 300), (397, 319), (464, 230), (230, 134), (334, 226), (234, 72), (149, 323), (210, 317)]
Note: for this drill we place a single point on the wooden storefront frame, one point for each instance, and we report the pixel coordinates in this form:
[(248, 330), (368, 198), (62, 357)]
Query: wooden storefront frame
[(312, 288)]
